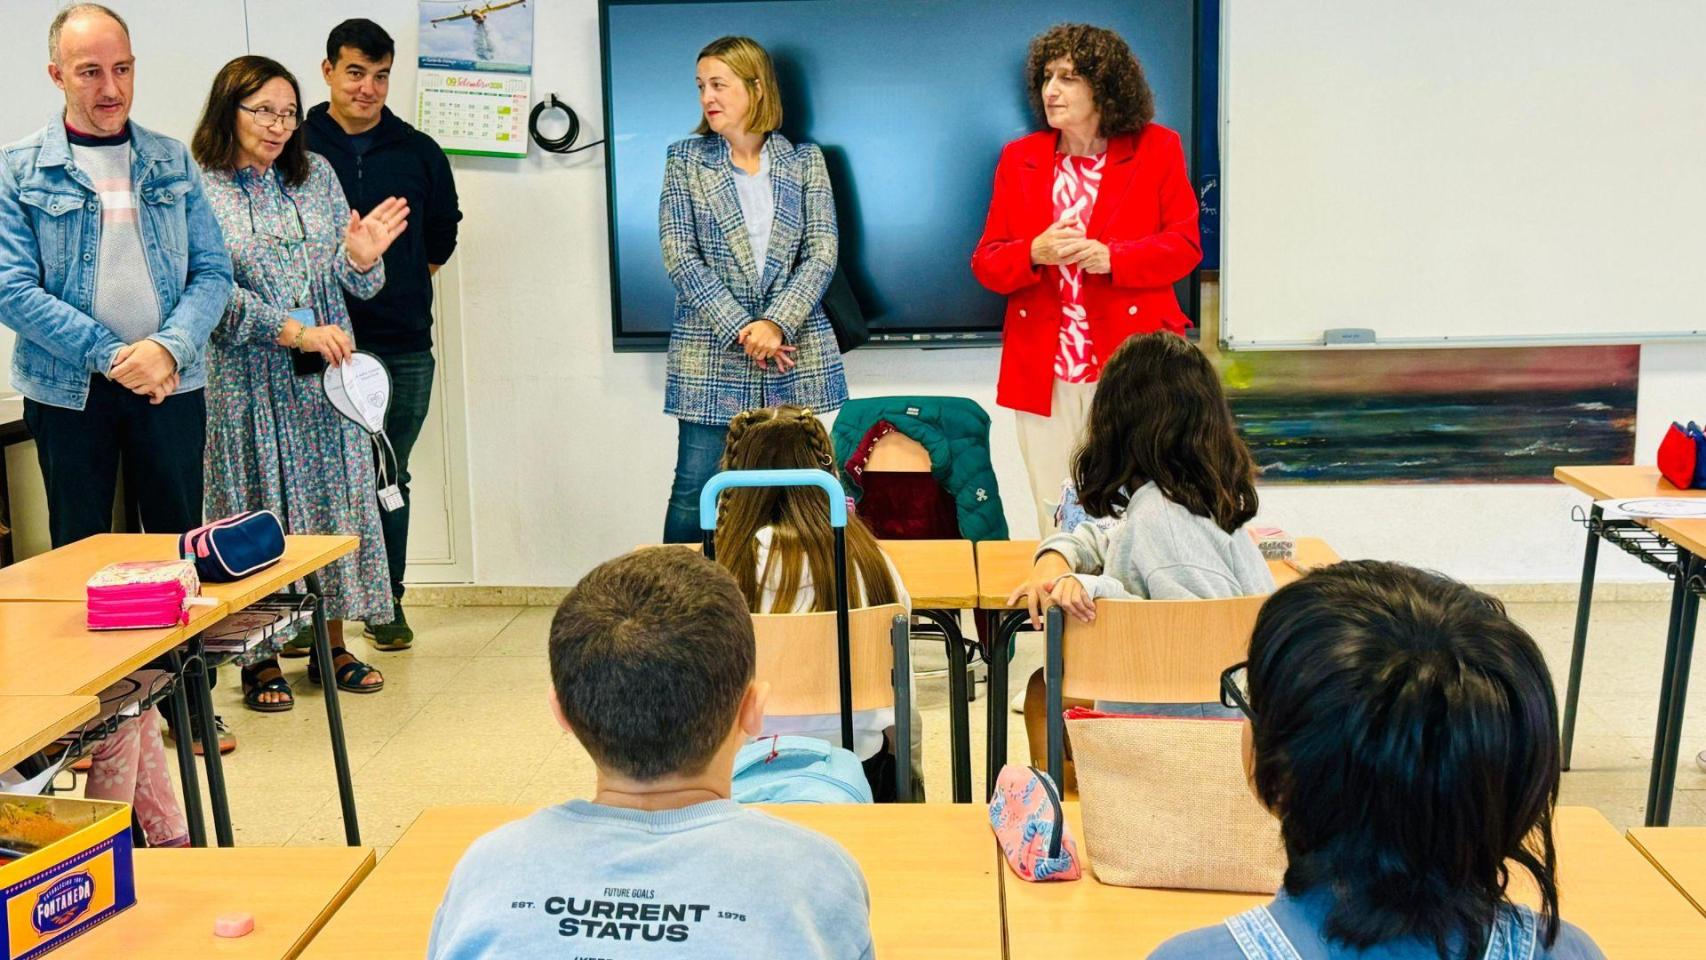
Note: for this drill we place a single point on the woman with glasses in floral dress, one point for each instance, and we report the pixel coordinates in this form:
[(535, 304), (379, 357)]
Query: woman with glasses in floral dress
[(274, 441)]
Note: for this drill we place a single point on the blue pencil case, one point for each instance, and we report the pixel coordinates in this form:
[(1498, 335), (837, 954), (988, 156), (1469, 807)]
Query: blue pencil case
[(235, 547)]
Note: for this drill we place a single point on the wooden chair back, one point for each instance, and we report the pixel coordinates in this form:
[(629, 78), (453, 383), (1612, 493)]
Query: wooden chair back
[(797, 656), (1143, 651)]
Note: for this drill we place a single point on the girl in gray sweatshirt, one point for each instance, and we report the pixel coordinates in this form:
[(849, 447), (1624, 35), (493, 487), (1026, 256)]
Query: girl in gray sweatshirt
[(1167, 485)]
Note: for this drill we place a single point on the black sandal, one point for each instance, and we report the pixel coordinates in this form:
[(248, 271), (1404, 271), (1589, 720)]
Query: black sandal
[(264, 678), (349, 672)]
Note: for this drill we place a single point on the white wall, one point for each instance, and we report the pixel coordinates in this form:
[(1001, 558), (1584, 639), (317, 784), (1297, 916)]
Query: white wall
[(570, 455)]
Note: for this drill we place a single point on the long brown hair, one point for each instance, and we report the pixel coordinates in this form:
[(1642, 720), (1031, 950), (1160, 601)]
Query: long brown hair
[(1159, 414), (215, 142), (785, 438)]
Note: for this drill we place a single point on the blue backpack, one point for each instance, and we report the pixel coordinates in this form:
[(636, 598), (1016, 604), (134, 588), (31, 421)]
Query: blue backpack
[(783, 769)]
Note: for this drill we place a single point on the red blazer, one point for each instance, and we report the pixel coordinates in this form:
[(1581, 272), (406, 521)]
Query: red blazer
[(1146, 212)]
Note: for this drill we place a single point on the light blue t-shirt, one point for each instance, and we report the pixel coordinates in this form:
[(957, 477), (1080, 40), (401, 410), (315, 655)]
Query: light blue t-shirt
[(757, 207), (707, 881), (1303, 920)]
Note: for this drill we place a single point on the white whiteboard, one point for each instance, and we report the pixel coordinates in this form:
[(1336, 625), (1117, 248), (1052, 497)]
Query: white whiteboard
[(1463, 171)]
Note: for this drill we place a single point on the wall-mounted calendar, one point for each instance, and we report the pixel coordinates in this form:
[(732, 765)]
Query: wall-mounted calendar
[(472, 113), (475, 81)]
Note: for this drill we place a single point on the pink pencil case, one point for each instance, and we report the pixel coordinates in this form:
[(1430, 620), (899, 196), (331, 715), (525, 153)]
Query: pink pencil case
[(142, 593), (1026, 815)]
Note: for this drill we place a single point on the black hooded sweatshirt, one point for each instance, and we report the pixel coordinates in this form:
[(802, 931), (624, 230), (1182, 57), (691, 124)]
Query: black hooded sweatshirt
[(394, 160)]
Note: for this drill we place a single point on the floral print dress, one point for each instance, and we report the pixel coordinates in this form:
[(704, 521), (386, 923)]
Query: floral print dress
[(273, 439)]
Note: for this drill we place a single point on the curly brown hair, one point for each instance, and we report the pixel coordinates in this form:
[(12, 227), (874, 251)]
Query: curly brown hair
[(1102, 58)]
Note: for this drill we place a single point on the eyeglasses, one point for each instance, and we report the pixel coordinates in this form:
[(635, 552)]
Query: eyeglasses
[(266, 117), (1235, 689)]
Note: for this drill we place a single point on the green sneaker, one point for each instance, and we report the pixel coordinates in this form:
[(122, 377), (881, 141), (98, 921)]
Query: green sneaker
[(396, 635)]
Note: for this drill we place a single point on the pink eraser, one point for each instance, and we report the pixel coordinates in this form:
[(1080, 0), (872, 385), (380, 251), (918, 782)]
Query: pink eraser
[(234, 925)]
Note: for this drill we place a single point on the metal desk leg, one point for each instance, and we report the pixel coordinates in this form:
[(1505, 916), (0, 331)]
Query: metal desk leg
[(1678, 698), (959, 713), (179, 706), (1678, 602), (1584, 603), (334, 717), (196, 680), (997, 705)]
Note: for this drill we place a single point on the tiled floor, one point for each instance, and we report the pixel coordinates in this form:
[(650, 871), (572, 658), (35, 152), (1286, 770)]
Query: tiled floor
[(463, 719)]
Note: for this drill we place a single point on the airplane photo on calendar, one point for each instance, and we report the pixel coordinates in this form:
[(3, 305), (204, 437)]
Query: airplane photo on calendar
[(477, 35)]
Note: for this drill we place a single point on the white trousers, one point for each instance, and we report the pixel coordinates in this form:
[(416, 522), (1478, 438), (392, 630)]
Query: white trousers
[(1048, 443)]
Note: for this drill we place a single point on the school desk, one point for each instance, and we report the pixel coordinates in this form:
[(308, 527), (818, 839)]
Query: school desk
[(1680, 854), (931, 870), (941, 577), (1674, 549), (1002, 565), (46, 649), (290, 891), (1606, 887), (61, 575), (29, 723)]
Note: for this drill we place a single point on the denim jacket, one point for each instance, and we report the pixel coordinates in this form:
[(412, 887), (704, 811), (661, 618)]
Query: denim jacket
[(50, 240)]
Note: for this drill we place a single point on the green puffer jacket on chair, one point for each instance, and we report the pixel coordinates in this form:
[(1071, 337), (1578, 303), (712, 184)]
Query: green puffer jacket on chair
[(955, 431)]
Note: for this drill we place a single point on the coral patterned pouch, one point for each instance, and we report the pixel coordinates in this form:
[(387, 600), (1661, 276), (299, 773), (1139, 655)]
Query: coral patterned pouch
[(1029, 824)]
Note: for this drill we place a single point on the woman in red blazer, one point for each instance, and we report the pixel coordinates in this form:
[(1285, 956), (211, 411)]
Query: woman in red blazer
[(1092, 222)]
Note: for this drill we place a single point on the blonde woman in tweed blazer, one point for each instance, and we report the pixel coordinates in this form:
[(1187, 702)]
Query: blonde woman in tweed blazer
[(747, 224)]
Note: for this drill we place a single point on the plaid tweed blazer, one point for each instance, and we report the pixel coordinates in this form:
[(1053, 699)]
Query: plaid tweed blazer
[(719, 290)]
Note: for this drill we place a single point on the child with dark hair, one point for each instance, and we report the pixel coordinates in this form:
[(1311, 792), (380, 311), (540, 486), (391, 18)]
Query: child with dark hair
[(1405, 733), (652, 663), (1167, 485)]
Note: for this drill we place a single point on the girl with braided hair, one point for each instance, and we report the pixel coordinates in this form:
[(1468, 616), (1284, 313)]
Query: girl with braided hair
[(779, 545)]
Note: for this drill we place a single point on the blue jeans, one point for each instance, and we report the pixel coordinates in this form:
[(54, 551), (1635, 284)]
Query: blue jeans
[(698, 454), (411, 393)]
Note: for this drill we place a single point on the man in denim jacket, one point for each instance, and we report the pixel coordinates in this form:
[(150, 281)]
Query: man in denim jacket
[(113, 272)]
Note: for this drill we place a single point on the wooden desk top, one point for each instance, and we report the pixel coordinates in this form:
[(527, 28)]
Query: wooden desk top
[(1004, 564), (292, 892), (45, 649), (29, 723), (939, 574), (1085, 919), (930, 868), (1620, 481), (62, 574), (1680, 854), (1605, 887), (1623, 482)]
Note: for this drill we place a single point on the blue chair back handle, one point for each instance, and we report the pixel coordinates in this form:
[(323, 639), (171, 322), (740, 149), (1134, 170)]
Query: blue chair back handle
[(729, 479)]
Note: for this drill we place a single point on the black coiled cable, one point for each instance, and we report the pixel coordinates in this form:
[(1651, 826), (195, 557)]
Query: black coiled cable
[(564, 143)]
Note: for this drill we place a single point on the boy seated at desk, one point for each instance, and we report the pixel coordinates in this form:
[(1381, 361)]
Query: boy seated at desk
[(652, 662)]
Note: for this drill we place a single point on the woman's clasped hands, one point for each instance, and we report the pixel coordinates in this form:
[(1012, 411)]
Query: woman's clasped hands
[(1064, 244), (762, 341)]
